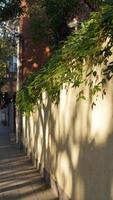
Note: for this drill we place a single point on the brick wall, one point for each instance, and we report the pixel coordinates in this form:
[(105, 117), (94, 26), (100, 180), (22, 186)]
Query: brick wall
[(33, 56)]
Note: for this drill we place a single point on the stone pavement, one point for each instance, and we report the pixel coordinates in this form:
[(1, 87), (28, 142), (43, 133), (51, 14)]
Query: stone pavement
[(19, 180)]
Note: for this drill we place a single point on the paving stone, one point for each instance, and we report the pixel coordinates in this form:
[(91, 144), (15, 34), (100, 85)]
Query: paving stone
[(19, 180)]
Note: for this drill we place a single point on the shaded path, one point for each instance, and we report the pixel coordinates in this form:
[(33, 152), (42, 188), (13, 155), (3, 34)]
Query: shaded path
[(19, 180)]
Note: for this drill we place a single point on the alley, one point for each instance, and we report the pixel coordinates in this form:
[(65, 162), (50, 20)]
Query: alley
[(19, 180)]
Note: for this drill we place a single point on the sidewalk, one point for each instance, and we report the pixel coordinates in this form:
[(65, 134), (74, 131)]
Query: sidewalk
[(19, 180)]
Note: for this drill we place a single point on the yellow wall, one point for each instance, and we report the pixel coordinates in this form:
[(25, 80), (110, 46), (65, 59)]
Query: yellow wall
[(74, 143)]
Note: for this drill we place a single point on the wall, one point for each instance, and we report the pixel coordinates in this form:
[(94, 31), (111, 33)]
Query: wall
[(73, 143), (33, 55), (70, 143)]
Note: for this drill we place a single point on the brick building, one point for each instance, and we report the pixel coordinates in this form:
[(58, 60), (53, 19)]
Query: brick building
[(33, 56)]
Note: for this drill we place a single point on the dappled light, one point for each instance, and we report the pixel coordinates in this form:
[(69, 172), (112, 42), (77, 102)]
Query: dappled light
[(62, 171), (73, 143), (111, 190), (80, 188), (56, 100), (101, 119), (18, 178)]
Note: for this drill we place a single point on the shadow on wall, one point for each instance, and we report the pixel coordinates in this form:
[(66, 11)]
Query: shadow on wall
[(74, 144)]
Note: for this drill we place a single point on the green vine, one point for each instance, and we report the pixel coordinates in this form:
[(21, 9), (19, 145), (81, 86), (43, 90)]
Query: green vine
[(75, 62)]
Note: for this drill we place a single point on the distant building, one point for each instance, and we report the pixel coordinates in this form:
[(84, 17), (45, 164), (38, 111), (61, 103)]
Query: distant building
[(12, 64)]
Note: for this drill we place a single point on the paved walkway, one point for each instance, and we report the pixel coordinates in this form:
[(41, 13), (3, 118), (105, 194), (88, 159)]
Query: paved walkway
[(19, 180)]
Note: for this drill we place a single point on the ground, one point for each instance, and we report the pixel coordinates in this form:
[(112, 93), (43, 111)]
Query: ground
[(19, 180)]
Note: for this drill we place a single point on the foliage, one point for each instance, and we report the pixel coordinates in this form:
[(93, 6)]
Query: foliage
[(58, 12), (3, 58), (39, 29), (7, 49), (49, 19), (75, 62), (9, 9)]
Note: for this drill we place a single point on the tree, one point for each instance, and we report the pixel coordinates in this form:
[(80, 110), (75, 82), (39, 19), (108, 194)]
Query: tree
[(9, 9), (58, 13), (7, 49), (51, 16)]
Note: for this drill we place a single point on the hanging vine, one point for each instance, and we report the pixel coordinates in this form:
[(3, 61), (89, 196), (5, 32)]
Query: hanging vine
[(74, 62)]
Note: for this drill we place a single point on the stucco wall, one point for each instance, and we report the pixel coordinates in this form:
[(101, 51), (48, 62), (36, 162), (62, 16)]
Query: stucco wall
[(73, 141)]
